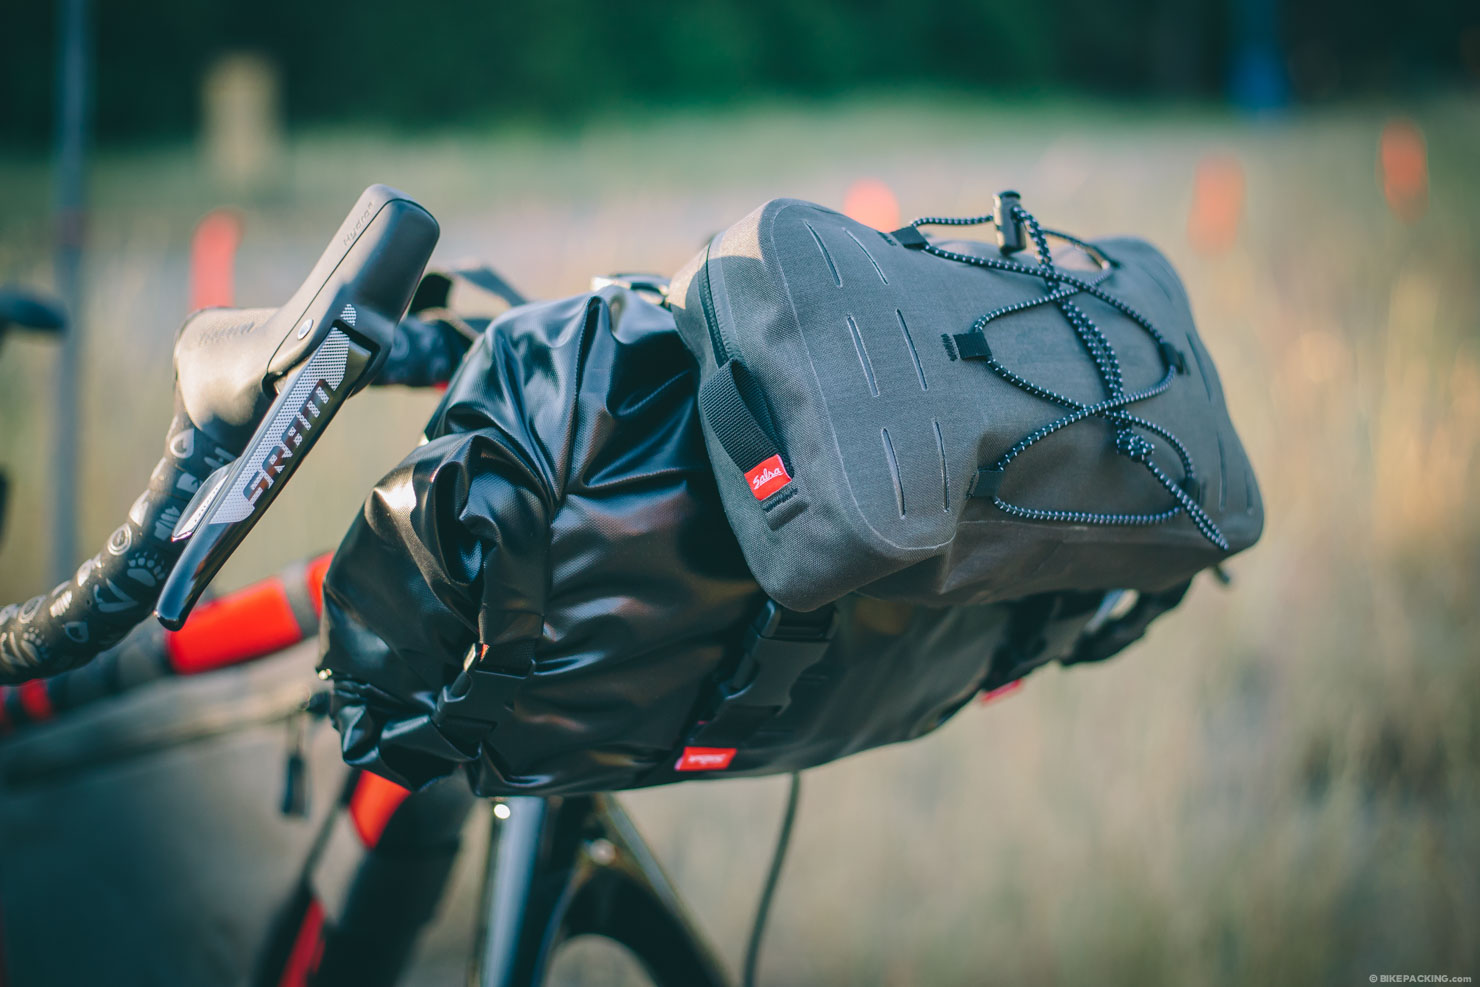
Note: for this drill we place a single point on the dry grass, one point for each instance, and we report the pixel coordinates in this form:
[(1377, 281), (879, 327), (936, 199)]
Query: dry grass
[(1282, 786)]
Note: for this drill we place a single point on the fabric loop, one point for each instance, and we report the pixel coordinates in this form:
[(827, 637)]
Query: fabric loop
[(745, 434)]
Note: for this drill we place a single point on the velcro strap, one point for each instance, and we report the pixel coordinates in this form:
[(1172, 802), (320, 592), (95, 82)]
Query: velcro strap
[(436, 287), (733, 407), (1039, 629), (487, 280)]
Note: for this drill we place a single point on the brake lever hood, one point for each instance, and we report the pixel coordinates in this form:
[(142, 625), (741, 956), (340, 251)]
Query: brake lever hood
[(229, 362), (265, 383)]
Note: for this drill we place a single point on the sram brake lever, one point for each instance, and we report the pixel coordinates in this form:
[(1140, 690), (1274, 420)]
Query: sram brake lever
[(335, 334)]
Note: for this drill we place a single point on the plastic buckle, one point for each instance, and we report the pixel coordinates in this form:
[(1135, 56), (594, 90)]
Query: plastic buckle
[(779, 645), (479, 699), (972, 345), (910, 238)]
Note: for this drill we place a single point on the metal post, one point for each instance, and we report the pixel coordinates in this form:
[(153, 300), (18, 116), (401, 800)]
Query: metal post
[(71, 140)]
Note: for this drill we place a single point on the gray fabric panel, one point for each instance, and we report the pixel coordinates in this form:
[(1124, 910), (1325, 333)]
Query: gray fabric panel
[(842, 327)]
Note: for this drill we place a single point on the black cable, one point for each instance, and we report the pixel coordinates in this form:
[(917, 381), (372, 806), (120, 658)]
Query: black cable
[(778, 857)]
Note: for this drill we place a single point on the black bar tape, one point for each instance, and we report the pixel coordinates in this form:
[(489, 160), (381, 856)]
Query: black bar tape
[(116, 589), (423, 353)]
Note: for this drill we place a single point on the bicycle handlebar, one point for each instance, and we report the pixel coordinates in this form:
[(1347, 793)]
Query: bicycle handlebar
[(115, 589), (263, 381)]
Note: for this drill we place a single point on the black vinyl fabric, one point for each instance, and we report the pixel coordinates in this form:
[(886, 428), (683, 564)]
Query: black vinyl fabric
[(547, 592)]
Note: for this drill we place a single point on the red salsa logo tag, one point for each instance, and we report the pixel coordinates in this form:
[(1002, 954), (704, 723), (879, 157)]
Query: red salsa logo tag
[(767, 477)]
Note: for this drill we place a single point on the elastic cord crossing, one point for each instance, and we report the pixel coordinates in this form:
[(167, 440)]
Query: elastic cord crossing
[(1060, 287)]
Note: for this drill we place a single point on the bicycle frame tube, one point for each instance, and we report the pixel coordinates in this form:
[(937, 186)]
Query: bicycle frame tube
[(564, 867)]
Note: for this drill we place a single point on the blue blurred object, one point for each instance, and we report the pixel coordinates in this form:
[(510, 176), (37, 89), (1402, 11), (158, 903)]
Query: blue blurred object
[(29, 310), (1258, 82), (25, 310)]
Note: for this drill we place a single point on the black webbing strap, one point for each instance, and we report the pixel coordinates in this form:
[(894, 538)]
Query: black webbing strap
[(436, 287), (780, 645), (1040, 628), (1120, 633), (987, 482), (732, 404)]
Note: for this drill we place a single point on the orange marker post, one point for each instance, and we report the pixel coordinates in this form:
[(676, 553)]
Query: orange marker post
[(871, 202), (1217, 203), (1403, 169), (213, 259)]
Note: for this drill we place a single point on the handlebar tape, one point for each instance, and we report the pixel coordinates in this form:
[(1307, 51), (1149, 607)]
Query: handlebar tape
[(424, 353), (117, 588)]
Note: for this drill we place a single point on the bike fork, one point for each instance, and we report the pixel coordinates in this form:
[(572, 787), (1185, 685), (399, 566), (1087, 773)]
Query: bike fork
[(563, 867)]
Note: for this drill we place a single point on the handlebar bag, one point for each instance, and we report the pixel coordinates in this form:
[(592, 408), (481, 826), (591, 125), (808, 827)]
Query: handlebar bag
[(957, 422), (547, 595)]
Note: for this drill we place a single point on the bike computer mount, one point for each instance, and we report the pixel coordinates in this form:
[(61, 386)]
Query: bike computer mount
[(268, 381)]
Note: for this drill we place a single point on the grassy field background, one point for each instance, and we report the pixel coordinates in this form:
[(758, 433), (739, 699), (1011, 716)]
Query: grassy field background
[(1280, 786)]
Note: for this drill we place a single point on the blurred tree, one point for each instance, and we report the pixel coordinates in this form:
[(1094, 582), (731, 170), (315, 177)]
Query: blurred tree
[(439, 61)]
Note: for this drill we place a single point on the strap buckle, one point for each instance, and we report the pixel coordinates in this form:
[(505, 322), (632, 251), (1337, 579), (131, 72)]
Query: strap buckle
[(778, 647), (482, 695)]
